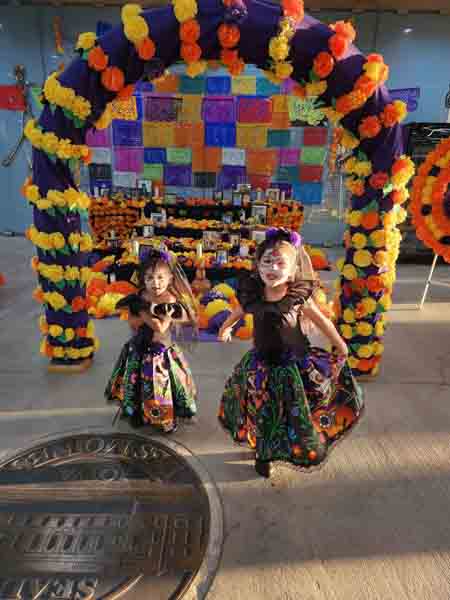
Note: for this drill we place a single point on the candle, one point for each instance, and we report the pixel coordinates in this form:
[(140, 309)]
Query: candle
[(156, 192), (135, 248), (283, 195), (199, 251)]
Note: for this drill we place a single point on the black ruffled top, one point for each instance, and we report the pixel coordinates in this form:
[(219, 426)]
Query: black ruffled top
[(276, 324)]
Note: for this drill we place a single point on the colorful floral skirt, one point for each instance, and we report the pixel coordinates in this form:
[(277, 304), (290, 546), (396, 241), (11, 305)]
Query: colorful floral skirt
[(294, 411), (155, 384)]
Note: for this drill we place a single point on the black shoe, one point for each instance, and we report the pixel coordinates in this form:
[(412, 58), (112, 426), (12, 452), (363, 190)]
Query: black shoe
[(262, 468)]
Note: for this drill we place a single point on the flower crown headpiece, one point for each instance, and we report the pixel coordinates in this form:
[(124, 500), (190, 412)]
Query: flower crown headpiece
[(163, 253), (292, 237)]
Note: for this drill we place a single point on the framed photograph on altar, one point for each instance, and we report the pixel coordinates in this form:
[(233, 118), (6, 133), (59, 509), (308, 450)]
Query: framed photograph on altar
[(158, 219), (222, 257), (218, 195), (259, 213), (145, 185), (235, 240), (237, 198), (258, 236), (227, 218), (211, 239), (273, 195), (149, 231), (244, 188)]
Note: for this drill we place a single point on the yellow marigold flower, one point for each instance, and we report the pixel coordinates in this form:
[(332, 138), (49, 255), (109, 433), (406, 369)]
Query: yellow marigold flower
[(349, 272), (283, 70), (65, 149), (50, 143), (53, 272), (316, 89), (35, 264), (362, 258), (347, 332), (56, 198), (332, 115), (58, 351), (44, 241), (135, 29), (184, 10), (69, 334), (363, 168), (340, 264), (365, 351), (71, 273), (364, 329), (58, 240), (374, 70), (349, 141), (55, 330), (106, 118), (43, 204), (86, 40), (350, 164), (378, 348), (56, 301), (32, 193), (386, 301), (359, 241), (401, 108), (84, 201), (74, 239), (354, 218), (369, 304), (278, 48), (86, 243), (81, 107), (379, 328), (401, 214), (353, 362), (86, 274), (348, 315), (378, 238), (380, 258), (90, 329)]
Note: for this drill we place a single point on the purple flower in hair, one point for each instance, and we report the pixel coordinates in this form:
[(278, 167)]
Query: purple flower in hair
[(165, 256), (294, 238)]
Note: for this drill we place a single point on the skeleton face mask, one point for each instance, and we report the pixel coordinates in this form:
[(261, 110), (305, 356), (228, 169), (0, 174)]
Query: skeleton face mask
[(157, 280), (277, 265)]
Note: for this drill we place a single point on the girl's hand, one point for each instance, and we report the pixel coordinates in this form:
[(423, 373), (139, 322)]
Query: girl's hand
[(225, 334), (342, 351)]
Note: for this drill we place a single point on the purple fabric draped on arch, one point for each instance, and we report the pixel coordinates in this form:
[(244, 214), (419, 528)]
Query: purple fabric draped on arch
[(258, 22)]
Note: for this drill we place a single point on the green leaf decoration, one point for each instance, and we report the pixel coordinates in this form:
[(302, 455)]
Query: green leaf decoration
[(63, 209), (313, 77), (67, 309), (53, 158), (52, 252), (53, 108), (72, 282), (65, 251), (305, 109), (77, 122), (361, 156), (72, 163), (387, 189), (85, 54), (60, 285), (51, 211)]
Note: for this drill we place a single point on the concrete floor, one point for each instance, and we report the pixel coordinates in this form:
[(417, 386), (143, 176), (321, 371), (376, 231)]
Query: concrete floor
[(373, 524)]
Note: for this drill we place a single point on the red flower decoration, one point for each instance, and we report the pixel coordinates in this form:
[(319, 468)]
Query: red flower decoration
[(113, 79), (146, 49), (323, 64), (338, 45), (97, 59), (78, 304), (345, 29), (229, 35), (229, 57), (379, 180), (294, 9), (189, 31), (126, 92), (369, 127), (190, 52), (366, 85)]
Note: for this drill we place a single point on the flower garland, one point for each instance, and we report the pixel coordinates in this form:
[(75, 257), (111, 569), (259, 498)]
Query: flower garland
[(54, 147), (69, 200), (279, 45), (185, 12), (76, 108), (56, 242), (136, 30), (229, 35), (56, 301), (70, 352), (67, 334), (430, 203)]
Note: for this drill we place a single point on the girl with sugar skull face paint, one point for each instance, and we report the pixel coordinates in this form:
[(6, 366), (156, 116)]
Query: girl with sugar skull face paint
[(151, 380), (286, 399)]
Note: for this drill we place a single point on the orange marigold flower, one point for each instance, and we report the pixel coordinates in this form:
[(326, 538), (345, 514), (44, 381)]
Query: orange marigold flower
[(298, 90), (379, 180), (35, 263), (346, 29), (87, 158), (344, 105), (190, 52), (366, 85), (113, 79), (97, 59), (389, 116), (229, 35), (293, 8), (370, 220), (189, 31), (236, 67), (228, 57), (375, 284), (38, 295), (402, 163), (338, 45), (81, 332), (78, 304), (146, 49), (399, 196), (369, 127), (323, 64)]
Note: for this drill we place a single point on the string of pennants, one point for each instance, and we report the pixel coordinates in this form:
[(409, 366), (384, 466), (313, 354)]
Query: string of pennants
[(211, 132)]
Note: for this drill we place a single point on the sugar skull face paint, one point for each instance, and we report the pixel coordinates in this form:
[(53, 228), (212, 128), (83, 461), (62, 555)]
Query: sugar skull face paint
[(277, 265), (157, 280)]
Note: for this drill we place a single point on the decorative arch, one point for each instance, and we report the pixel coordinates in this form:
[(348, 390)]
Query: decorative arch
[(285, 43)]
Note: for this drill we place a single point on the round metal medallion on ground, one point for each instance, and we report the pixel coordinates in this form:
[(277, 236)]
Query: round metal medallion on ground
[(95, 515)]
